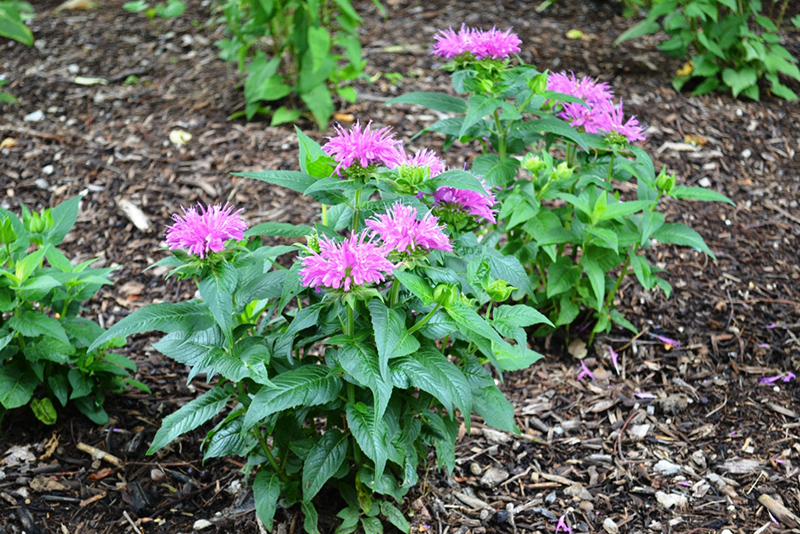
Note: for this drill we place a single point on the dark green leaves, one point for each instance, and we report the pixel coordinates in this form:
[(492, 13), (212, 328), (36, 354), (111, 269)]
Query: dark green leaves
[(17, 383), (428, 370), (436, 101), (679, 234), (325, 459), (361, 362), (371, 434), (266, 492)]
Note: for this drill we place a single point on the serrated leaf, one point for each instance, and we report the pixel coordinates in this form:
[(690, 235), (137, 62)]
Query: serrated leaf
[(35, 323), (699, 193), (617, 210), (64, 216), (436, 101), (417, 285), (216, 290), (371, 434), (162, 316), (679, 234), (552, 125), (190, 416), (468, 319), (478, 106), (308, 385), (266, 492), (455, 178), (361, 362), (492, 405), (391, 335), (324, 459), (276, 229), (294, 180)]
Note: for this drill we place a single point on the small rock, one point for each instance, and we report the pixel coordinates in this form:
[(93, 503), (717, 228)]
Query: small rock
[(36, 116), (495, 435), (473, 502), (41, 183), (502, 516), (48, 170), (666, 467), (726, 531), (668, 500), (484, 515), (746, 153), (579, 492), (475, 468), (639, 432), (586, 507), (493, 477), (704, 182), (609, 526), (699, 459), (200, 524), (73, 68), (551, 497)]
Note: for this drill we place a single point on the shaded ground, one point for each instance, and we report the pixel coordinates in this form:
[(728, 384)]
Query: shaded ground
[(679, 423)]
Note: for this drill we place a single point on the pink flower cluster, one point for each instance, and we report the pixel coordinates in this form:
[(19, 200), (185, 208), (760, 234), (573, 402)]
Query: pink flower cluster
[(482, 44), (355, 261), (204, 230), (425, 158), (363, 147), (472, 202), (602, 116), (401, 231)]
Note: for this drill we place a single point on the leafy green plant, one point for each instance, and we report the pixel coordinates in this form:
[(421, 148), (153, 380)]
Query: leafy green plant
[(566, 220), (44, 343), (730, 43), (630, 8), (13, 15), (172, 9), (344, 368), (313, 52)]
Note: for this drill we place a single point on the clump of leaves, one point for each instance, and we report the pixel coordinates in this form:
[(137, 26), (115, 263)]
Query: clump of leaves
[(44, 342), (730, 44), (172, 9)]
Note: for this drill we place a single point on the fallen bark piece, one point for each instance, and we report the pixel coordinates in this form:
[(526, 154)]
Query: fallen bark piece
[(781, 513), (472, 502), (97, 454), (493, 477), (668, 500), (136, 215)]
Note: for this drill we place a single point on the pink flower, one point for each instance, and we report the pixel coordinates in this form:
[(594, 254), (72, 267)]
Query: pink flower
[(588, 89), (365, 148), (466, 200), (203, 230), (402, 232), (562, 525), (786, 377), (425, 158), (612, 121), (482, 44), (354, 261), (614, 358), (585, 371), (667, 341)]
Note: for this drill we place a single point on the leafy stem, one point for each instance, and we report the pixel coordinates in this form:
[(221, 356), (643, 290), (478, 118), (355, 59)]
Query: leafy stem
[(268, 453), (424, 320), (501, 137)]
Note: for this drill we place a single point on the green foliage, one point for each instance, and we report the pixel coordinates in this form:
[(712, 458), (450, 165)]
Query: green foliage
[(344, 389), (13, 15), (562, 217), (44, 343), (313, 53), (730, 44), (172, 9)]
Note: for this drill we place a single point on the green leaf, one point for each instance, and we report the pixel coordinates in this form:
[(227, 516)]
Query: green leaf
[(276, 229), (645, 27), (561, 276), (494, 171), (294, 180), (309, 517), (191, 416), (36, 323), (64, 216), (418, 286), (553, 125), (618, 210), (395, 517), (699, 193), (436, 101), (266, 492), (457, 179), (310, 151), (372, 525), (325, 458), (478, 106), (468, 319), (308, 385), (429, 370), (506, 319), (12, 27), (361, 362), (60, 388), (92, 408), (216, 290), (319, 102), (44, 410), (620, 319), (492, 405), (282, 115), (162, 316), (371, 433), (596, 275), (679, 234), (391, 335), (515, 357), (81, 383), (739, 80), (17, 382)]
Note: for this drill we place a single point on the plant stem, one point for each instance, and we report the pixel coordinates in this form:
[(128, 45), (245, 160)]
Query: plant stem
[(270, 457), (501, 138), (324, 215), (622, 274), (424, 320), (610, 166), (393, 292), (356, 211), (351, 323)]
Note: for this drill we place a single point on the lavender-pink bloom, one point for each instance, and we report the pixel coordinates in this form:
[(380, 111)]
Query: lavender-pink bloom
[(450, 43), (473, 202), (493, 44), (425, 158), (365, 148), (614, 358), (402, 232), (585, 371), (562, 525), (612, 121), (587, 89), (355, 261), (202, 230)]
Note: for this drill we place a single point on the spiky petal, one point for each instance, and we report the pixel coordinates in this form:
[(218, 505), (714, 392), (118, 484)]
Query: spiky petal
[(363, 147), (401, 231), (356, 261), (482, 44), (425, 158), (612, 122), (203, 230), (472, 202)]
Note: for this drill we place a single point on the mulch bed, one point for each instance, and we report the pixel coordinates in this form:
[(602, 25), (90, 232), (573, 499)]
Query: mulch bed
[(683, 439)]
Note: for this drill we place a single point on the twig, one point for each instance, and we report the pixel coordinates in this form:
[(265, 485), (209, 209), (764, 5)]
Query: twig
[(135, 528), (97, 454)]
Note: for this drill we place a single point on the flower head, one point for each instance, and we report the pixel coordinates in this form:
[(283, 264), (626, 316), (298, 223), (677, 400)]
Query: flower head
[(614, 358), (202, 230), (585, 371), (562, 525), (356, 261), (363, 148), (473, 203), (786, 377), (587, 89), (611, 121), (483, 44), (425, 158), (402, 232)]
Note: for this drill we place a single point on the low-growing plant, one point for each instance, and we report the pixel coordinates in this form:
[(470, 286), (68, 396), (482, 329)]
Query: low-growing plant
[(13, 15), (730, 43), (343, 369), (312, 51), (172, 9), (566, 220), (44, 342)]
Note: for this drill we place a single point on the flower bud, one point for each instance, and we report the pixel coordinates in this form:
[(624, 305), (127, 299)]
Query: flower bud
[(665, 182), (38, 223), (533, 163), (499, 290), (445, 294), (7, 233), (538, 84), (563, 171), (312, 242)]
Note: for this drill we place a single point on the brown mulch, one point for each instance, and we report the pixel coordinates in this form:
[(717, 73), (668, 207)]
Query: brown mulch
[(684, 439)]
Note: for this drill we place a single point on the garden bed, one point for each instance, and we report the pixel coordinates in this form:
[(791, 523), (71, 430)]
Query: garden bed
[(689, 425)]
